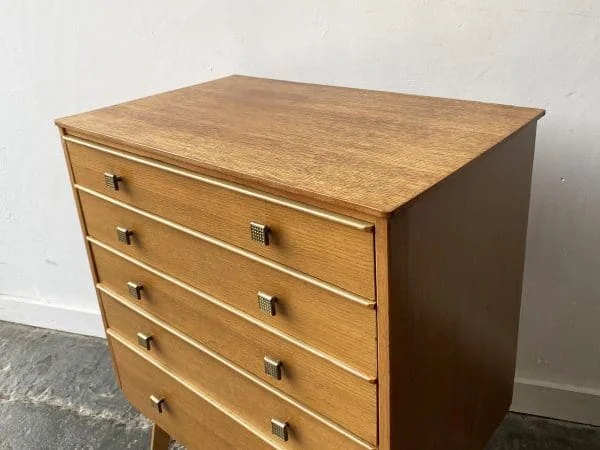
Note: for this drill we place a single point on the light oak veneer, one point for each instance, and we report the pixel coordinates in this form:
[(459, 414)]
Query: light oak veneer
[(252, 400), (365, 150), (337, 252), (305, 311), (187, 411), (245, 341), (398, 223)]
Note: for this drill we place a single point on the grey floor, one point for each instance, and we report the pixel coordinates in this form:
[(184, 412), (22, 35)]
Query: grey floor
[(57, 392)]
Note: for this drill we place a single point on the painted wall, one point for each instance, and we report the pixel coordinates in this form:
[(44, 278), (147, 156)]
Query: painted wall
[(64, 56)]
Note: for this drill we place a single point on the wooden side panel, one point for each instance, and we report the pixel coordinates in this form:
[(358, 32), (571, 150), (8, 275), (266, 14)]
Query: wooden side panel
[(382, 276), (455, 265)]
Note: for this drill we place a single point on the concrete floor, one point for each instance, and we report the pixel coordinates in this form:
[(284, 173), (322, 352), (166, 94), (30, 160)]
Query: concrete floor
[(57, 392)]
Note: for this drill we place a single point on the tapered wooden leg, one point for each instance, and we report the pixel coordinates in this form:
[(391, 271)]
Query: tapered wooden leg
[(160, 439)]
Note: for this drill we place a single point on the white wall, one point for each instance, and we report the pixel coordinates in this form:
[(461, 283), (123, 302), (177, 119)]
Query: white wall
[(65, 56)]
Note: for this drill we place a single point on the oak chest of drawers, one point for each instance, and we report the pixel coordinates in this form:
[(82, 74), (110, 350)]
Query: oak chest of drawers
[(293, 266)]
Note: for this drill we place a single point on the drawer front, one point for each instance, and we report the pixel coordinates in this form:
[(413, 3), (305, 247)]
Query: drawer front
[(253, 401), (330, 251), (348, 400), (186, 416), (303, 310)]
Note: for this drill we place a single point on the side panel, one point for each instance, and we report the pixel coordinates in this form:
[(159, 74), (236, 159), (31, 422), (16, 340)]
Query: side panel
[(455, 269)]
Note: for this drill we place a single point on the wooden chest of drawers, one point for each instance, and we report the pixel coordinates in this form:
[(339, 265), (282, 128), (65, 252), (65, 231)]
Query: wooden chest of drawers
[(292, 266)]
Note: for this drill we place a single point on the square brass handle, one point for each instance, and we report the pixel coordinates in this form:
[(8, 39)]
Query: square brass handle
[(266, 303), (111, 181), (279, 429), (259, 233), (124, 235), (144, 340), (158, 403), (272, 367), (135, 290)]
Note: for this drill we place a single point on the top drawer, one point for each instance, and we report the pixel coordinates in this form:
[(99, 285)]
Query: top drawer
[(328, 246)]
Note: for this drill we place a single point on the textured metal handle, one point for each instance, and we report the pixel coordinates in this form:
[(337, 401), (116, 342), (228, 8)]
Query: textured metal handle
[(111, 181), (279, 429), (158, 403), (135, 290), (124, 235), (144, 340), (259, 233), (272, 367), (267, 303)]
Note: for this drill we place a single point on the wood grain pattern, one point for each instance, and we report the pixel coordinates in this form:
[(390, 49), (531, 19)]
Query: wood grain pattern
[(364, 150), (160, 439), (361, 223), (455, 269), (274, 265), (244, 395), (304, 311), (190, 417), (446, 184), (341, 397), (297, 196), (330, 251)]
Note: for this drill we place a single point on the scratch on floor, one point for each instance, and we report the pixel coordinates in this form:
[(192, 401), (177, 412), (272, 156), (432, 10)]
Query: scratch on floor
[(45, 398)]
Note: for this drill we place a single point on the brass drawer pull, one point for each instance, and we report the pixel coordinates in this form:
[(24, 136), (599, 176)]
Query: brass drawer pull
[(259, 233), (124, 235), (157, 403), (111, 181), (144, 340), (272, 367), (266, 303), (135, 290), (279, 429)]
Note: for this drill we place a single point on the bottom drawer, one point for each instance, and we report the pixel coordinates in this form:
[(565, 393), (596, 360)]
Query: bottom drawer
[(186, 416)]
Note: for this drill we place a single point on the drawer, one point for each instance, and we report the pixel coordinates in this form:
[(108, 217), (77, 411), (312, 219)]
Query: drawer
[(304, 310), (349, 401), (250, 399), (186, 416), (339, 253)]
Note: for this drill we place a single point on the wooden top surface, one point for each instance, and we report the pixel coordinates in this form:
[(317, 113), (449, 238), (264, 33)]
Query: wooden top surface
[(367, 151)]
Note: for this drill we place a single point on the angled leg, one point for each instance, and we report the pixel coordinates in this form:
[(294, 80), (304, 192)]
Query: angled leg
[(160, 439)]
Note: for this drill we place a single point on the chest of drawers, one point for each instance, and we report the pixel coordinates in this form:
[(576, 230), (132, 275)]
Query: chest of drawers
[(292, 266)]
